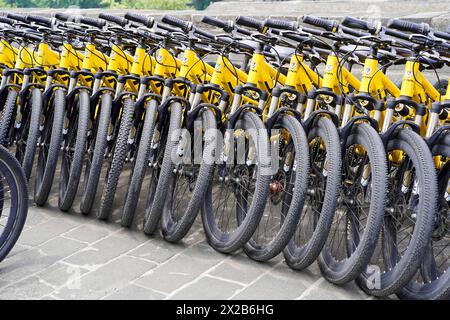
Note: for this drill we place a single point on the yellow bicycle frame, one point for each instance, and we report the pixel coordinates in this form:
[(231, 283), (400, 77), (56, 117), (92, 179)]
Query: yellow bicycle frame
[(300, 77)]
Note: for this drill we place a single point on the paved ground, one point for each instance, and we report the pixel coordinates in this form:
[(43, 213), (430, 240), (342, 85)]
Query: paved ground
[(68, 256)]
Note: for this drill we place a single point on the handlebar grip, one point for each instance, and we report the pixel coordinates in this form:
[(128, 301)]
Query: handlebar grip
[(403, 25), (17, 17), (139, 18), (354, 23), (6, 20), (40, 20), (91, 21), (215, 22), (114, 19), (307, 40), (329, 25), (174, 21), (442, 35), (250, 22), (243, 31), (281, 24), (63, 16)]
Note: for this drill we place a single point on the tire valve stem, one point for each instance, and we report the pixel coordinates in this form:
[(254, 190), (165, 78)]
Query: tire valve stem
[(288, 162), (325, 168), (447, 192), (406, 181), (365, 175)]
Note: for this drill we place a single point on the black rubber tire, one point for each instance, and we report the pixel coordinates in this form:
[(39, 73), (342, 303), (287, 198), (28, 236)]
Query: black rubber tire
[(228, 242), (12, 174), (342, 271), (46, 165), (289, 220), (118, 160), (95, 169), (7, 116), (140, 165), (398, 275), (299, 258), (439, 287), (70, 175), (153, 210), (175, 230), (33, 132)]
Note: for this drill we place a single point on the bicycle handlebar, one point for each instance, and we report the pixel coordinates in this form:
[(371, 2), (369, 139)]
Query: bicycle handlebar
[(17, 17), (281, 24), (139, 18), (250, 22), (403, 25), (114, 19), (6, 20), (174, 21), (354, 23), (48, 22), (329, 25)]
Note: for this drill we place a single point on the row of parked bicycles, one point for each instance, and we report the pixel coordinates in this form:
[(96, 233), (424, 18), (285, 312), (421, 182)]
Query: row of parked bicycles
[(264, 128)]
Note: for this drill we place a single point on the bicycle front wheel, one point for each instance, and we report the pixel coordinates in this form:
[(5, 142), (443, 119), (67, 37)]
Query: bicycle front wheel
[(236, 197)]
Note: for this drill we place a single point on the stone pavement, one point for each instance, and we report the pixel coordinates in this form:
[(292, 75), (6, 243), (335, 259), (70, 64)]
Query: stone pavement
[(69, 256)]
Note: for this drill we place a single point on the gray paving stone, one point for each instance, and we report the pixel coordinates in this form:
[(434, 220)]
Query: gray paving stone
[(88, 232), (61, 247), (22, 265), (328, 291), (179, 270), (133, 292), (38, 217), (276, 285), (61, 274), (106, 279), (46, 231), (31, 288), (240, 269), (157, 251), (215, 289), (104, 250)]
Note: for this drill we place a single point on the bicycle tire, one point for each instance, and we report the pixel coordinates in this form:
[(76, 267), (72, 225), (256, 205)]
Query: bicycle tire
[(228, 242), (7, 116), (14, 176), (140, 165), (33, 132), (397, 276), (300, 257), (153, 210), (46, 164), (175, 230), (295, 194), (117, 162), (70, 175), (95, 168), (437, 287), (335, 269)]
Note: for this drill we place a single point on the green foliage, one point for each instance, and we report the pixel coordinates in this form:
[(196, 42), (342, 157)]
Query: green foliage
[(126, 4), (153, 4)]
